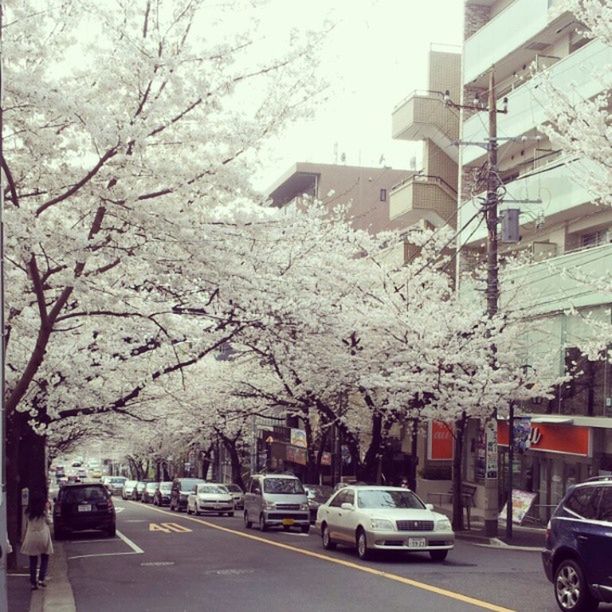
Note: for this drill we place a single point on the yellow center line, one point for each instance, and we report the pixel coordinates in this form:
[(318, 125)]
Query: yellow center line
[(362, 568)]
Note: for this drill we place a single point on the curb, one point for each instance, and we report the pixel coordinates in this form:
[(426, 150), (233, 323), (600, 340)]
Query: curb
[(57, 596), (486, 542)]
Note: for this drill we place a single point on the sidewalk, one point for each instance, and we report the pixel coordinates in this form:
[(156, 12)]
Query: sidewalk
[(523, 537), (55, 597)]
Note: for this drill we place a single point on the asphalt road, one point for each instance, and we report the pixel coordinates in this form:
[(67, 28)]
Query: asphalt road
[(164, 561)]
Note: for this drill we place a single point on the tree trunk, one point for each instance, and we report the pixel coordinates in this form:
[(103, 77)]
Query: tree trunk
[(236, 463), (13, 484), (457, 475)]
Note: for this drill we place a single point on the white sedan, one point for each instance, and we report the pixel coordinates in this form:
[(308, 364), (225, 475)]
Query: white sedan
[(384, 518), (210, 497)]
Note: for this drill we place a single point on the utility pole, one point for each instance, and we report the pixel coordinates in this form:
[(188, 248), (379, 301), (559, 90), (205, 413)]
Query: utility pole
[(3, 496), (491, 506)]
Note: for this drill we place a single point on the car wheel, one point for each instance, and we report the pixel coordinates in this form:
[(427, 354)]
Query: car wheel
[(305, 528), (262, 523), (438, 555), (328, 544), (247, 524), (571, 589), (363, 552)]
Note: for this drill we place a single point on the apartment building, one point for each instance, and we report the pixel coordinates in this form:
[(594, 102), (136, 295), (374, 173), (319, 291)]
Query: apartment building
[(567, 234)]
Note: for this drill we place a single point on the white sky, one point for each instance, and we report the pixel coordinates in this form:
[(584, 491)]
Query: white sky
[(376, 56)]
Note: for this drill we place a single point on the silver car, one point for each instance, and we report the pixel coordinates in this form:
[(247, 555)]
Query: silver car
[(237, 494), (276, 500), (384, 518), (210, 497)]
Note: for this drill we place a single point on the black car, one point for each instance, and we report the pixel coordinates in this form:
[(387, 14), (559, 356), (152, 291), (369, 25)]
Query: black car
[(181, 487), (83, 506), (317, 495), (578, 554), (161, 497)]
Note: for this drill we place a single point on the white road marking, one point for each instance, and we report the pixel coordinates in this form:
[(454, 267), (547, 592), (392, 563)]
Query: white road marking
[(115, 554), (11, 574), (156, 563), (292, 533), (129, 542), (119, 508), (89, 541)]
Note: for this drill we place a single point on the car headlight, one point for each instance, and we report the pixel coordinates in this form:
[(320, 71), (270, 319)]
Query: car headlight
[(382, 525), (269, 505), (443, 525), (304, 507)]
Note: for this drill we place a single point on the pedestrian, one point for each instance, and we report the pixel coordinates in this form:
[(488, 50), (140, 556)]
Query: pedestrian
[(37, 539)]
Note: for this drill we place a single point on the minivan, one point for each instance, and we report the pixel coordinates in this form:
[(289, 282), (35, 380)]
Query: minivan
[(276, 500)]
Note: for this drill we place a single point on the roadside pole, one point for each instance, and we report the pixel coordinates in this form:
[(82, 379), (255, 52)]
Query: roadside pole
[(3, 498), (491, 508), (510, 468)]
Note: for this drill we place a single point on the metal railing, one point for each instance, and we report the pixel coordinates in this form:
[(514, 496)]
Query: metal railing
[(423, 178)]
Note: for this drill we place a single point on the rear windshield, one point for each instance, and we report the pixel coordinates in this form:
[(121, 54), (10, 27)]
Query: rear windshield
[(286, 486), (117, 480), (165, 486), (78, 494), (186, 484), (151, 486)]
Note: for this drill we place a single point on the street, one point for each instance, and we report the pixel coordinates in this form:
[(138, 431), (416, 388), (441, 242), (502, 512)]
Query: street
[(161, 560)]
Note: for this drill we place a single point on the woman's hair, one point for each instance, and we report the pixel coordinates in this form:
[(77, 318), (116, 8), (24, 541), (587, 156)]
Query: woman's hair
[(37, 505)]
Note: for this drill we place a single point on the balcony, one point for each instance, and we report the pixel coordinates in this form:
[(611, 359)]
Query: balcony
[(579, 72), (510, 31), (423, 192), (558, 186), (423, 115)]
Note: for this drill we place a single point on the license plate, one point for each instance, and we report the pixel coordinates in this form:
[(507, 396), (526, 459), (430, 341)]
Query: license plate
[(84, 507), (417, 542), (288, 522)]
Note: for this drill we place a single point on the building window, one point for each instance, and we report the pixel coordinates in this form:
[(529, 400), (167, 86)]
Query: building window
[(383, 195), (595, 238)]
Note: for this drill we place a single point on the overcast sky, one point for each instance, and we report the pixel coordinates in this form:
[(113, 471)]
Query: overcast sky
[(376, 55)]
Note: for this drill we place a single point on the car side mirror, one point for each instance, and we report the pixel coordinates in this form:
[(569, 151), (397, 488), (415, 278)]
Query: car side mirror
[(347, 506), (429, 506)]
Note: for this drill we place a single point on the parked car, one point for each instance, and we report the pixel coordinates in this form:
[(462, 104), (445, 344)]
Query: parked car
[(128, 489), (383, 518), (138, 490), (80, 507), (237, 494), (114, 484), (181, 488), (161, 497), (210, 497), (146, 497), (276, 500), (578, 554), (317, 495)]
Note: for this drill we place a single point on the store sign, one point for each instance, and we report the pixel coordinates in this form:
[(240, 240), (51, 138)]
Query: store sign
[(521, 502), (553, 438), (298, 437), (440, 441)]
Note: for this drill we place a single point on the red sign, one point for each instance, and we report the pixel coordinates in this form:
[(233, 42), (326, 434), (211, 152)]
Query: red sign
[(553, 438), (440, 441)]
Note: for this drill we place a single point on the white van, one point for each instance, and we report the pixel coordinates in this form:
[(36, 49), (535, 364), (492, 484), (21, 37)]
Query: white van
[(276, 500)]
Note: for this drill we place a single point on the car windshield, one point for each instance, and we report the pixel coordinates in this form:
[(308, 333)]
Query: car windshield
[(290, 486), (117, 480), (165, 486), (381, 498), (212, 489), (234, 488), (151, 486), (320, 493), (78, 494)]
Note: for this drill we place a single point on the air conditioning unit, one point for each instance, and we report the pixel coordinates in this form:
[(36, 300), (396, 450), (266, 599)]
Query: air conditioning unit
[(543, 250)]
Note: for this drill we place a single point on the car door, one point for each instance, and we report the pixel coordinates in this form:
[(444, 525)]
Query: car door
[(332, 515), (348, 519), (601, 543), (192, 499), (583, 507)]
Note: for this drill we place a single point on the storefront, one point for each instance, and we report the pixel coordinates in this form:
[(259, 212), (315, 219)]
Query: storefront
[(558, 452)]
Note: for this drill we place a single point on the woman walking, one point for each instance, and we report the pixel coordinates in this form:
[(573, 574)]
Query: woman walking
[(37, 540)]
